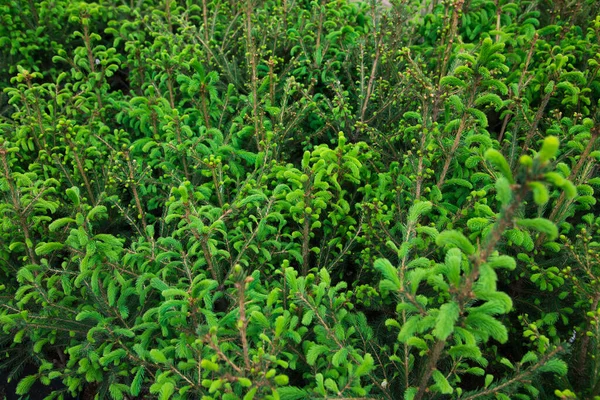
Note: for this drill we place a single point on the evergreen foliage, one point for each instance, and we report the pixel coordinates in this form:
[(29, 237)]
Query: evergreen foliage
[(293, 199)]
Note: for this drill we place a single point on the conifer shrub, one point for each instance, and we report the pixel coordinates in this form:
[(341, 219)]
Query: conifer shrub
[(297, 199)]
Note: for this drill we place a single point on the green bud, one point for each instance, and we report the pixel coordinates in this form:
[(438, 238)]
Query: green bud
[(549, 149)]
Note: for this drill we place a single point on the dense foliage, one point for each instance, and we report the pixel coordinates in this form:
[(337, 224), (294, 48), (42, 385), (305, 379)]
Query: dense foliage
[(293, 199)]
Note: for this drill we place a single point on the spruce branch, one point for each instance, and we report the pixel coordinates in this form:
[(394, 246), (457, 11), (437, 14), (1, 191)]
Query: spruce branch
[(521, 376)]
